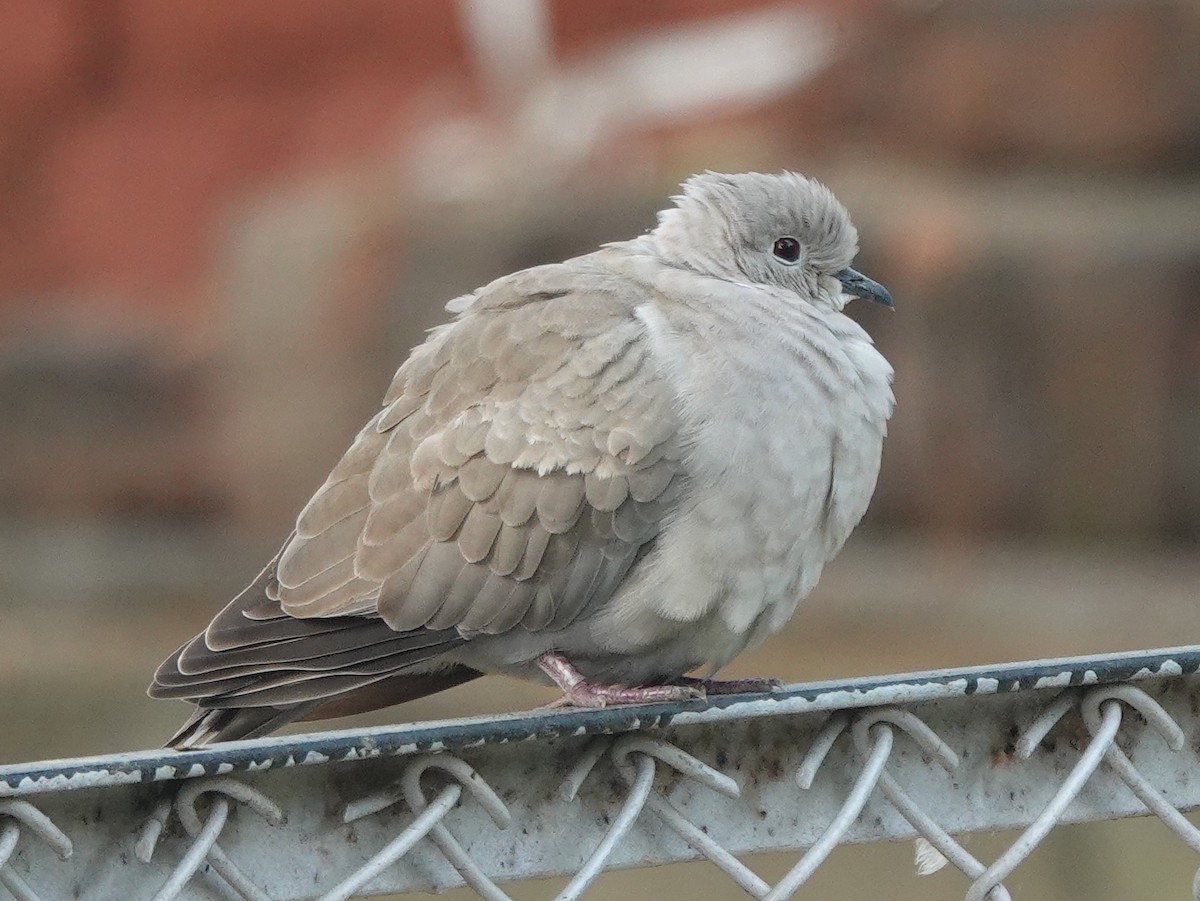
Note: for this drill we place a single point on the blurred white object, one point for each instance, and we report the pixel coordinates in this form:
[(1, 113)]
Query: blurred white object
[(566, 110)]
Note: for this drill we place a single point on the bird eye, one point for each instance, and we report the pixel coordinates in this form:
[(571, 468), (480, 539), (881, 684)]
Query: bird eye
[(786, 250)]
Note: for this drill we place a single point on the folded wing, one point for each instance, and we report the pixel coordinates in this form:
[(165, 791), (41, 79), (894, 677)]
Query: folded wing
[(524, 457)]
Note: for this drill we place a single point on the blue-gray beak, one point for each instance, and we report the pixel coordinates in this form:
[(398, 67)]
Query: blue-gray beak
[(858, 285)]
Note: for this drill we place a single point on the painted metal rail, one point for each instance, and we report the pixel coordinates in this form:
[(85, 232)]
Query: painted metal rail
[(353, 813)]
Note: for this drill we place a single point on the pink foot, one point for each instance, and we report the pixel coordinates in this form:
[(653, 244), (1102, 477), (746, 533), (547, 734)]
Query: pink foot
[(731, 686), (579, 692)]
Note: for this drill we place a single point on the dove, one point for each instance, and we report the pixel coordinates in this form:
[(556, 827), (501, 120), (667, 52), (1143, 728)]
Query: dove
[(604, 473)]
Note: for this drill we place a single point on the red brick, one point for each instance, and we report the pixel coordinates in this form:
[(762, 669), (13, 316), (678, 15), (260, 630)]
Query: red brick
[(132, 191), (346, 119), (42, 59), (1086, 86), (119, 190), (39, 46), (287, 44)]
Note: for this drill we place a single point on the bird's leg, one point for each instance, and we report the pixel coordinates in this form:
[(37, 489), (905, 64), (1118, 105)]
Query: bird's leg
[(731, 686), (579, 692)]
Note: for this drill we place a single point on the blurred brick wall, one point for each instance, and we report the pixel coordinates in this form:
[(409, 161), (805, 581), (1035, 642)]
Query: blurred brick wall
[(1093, 86), (199, 243), (127, 125), (134, 137), (1046, 352), (1050, 251)]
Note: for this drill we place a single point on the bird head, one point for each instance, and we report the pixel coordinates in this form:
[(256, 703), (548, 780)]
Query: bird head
[(782, 231)]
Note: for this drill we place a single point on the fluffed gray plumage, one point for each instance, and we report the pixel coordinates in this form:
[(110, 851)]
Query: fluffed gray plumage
[(638, 460)]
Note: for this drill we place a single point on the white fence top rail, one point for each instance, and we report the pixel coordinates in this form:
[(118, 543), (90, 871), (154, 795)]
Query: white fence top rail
[(411, 738)]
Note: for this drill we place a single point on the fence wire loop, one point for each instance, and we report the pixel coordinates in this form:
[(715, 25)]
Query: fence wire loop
[(639, 773), (39, 824), (428, 821), (17, 814), (928, 740), (922, 822), (10, 834), (205, 833), (1033, 835), (1149, 708), (465, 775), (152, 829), (678, 760), (200, 848), (1118, 761), (582, 767), (820, 748), (397, 847), (864, 785), (17, 886), (631, 807), (1033, 735), (1101, 711)]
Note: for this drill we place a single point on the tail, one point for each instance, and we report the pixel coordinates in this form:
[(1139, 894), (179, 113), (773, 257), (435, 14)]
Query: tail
[(212, 724), (207, 725), (256, 668)]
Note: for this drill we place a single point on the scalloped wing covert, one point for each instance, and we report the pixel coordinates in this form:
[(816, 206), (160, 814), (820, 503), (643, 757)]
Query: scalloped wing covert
[(524, 455)]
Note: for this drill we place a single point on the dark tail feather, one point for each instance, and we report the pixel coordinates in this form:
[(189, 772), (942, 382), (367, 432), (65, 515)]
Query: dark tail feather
[(208, 725), (395, 689)]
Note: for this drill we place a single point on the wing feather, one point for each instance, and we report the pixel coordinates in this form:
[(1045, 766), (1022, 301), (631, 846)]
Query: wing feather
[(524, 458), (517, 497), (560, 501), (478, 534), (448, 508), (497, 596), (458, 599)]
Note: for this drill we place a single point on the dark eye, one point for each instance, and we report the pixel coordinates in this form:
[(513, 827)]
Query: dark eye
[(786, 250)]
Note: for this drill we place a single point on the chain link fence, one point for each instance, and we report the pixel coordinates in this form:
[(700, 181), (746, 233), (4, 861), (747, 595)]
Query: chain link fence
[(337, 815)]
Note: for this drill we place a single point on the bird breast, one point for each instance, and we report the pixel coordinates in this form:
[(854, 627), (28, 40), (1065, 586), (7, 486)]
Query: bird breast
[(784, 408)]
